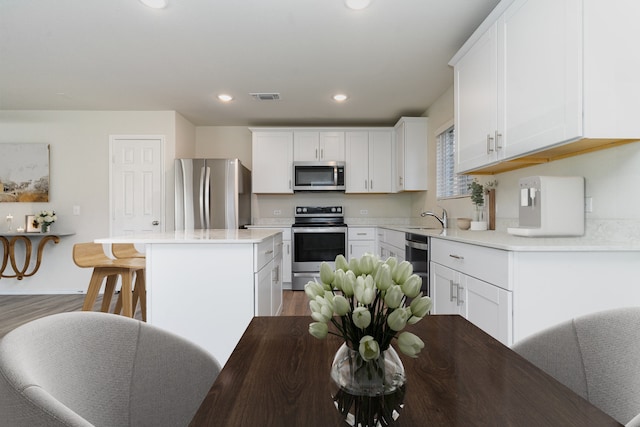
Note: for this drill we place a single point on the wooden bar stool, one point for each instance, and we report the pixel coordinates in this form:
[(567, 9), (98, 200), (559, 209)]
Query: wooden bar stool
[(125, 250), (129, 251), (91, 255)]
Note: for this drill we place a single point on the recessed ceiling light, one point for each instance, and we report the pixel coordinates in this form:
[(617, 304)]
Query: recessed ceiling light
[(156, 4), (225, 98), (357, 4), (340, 97)]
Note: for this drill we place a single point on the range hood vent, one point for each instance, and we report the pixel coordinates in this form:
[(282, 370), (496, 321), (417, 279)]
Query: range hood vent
[(265, 96)]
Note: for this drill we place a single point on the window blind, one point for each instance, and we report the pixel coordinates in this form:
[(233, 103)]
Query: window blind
[(449, 184)]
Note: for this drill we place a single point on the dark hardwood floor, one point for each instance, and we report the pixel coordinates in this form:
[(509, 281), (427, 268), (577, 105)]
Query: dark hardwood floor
[(16, 310)]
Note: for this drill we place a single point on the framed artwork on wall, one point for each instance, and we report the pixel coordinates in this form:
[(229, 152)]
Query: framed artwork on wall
[(24, 172)]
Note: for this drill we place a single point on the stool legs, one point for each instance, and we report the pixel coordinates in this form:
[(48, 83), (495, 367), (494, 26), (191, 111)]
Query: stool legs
[(94, 288), (126, 292), (109, 290), (139, 294)]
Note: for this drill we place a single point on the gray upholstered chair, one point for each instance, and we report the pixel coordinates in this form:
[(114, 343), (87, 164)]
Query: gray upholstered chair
[(99, 369), (597, 356)]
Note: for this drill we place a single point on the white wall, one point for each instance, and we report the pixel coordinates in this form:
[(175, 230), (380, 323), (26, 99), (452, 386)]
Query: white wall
[(222, 142), (611, 176), (79, 175)]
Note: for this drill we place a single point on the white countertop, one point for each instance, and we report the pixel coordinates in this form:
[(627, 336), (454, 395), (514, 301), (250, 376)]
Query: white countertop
[(608, 236), (255, 235), (503, 240)]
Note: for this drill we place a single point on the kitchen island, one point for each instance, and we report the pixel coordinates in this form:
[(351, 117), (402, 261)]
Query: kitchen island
[(207, 285)]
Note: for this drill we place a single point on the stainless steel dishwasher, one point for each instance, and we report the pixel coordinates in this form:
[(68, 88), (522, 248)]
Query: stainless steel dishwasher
[(417, 253)]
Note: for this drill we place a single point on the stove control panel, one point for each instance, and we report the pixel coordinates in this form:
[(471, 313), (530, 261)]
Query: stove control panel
[(318, 210)]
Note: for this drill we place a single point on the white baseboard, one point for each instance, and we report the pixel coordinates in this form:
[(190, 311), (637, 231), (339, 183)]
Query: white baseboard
[(36, 292)]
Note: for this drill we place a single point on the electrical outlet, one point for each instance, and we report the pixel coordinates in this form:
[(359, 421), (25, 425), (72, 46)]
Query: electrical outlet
[(588, 204), (76, 210), (364, 212), (277, 212)]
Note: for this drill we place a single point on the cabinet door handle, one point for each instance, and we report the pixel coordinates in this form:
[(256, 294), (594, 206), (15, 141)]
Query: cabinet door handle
[(366, 183), (458, 289), (489, 139), (498, 136), (289, 184), (269, 252), (371, 186), (316, 153), (322, 153), (457, 257), (451, 286)]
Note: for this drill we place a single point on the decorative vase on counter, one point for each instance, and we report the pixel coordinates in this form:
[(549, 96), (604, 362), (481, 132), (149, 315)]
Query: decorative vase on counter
[(368, 393), (45, 228), (479, 222)]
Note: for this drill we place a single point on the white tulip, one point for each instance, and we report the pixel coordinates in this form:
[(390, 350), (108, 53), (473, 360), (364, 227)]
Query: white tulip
[(369, 348), (411, 286), (341, 263), (410, 344), (341, 305), (397, 320), (318, 329), (326, 273), (361, 317)]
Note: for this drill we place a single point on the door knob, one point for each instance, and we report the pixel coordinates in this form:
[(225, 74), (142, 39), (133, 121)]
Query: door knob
[(155, 223)]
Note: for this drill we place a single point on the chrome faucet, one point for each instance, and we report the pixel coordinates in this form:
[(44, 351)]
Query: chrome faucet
[(444, 221)]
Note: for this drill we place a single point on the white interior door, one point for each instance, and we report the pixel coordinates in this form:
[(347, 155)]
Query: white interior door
[(137, 186)]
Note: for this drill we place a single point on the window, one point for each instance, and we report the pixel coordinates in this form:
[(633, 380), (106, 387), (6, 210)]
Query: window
[(449, 183)]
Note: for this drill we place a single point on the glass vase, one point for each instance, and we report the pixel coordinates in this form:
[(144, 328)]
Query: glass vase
[(44, 228), (368, 393)]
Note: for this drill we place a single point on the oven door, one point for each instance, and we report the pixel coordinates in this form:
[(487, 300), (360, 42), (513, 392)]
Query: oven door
[(312, 245)]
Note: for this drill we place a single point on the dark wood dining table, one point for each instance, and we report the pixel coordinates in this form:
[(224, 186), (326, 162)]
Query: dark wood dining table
[(278, 375)]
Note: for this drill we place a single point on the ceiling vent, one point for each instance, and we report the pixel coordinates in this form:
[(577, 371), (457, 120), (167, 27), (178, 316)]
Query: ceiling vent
[(265, 96)]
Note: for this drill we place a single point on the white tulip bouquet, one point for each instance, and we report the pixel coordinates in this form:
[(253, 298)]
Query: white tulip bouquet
[(44, 219), (365, 301)]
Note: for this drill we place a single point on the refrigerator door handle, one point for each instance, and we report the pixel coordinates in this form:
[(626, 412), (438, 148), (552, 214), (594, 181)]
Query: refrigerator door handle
[(207, 189), (201, 197)]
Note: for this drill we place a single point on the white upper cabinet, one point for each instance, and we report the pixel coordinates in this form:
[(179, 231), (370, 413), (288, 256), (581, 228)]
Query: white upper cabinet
[(544, 79), (369, 161), (272, 157), (476, 103), (411, 154), (540, 88), (309, 145)]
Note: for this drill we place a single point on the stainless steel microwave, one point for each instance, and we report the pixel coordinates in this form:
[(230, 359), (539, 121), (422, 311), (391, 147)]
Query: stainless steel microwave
[(318, 176)]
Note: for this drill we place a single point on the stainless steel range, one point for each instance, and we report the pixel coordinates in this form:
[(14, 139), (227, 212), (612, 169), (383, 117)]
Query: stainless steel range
[(318, 234)]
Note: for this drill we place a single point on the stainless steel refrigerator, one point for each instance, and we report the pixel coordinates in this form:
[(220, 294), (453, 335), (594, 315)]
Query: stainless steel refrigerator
[(212, 193)]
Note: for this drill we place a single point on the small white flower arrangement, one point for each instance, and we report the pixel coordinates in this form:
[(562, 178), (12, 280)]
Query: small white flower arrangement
[(44, 219), (365, 300)]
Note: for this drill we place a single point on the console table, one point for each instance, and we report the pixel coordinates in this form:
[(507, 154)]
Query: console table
[(9, 242)]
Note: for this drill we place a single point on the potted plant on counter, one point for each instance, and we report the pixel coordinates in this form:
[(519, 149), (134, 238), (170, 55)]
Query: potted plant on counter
[(479, 221)]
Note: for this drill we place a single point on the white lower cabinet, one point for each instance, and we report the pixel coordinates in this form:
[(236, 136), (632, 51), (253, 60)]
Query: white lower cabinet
[(361, 240), (391, 244), (457, 286), (268, 277), (276, 276), (262, 282), (512, 294)]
